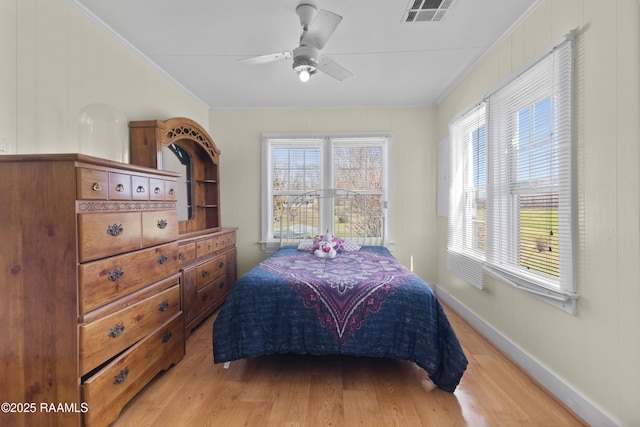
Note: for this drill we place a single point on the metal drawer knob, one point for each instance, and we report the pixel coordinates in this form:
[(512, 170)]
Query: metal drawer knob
[(115, 230), (162, 224), (117, 330), (116, 274), (119, 379), (96, 187)]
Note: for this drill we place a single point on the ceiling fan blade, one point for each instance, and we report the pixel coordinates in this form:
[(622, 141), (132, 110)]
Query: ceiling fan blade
[(332, 68), (265, 59), (321, 29)]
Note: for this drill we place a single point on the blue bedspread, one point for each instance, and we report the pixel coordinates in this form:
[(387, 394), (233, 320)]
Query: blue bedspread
[(362, 303)]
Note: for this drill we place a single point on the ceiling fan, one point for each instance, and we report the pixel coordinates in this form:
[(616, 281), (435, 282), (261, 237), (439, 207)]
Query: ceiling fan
[(317, 28)]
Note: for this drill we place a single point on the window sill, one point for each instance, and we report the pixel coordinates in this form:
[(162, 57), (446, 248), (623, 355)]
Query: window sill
[(272, 246), (566, 301)]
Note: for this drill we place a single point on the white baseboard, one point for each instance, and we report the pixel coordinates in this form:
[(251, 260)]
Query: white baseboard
[(556, 386)]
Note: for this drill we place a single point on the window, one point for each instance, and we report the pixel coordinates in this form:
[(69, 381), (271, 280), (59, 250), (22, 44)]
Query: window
[(512, 197), (295, 165), (468, 197)]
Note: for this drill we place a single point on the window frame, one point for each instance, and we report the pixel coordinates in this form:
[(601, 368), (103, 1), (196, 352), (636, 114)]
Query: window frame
[(462, 258), (326, 142), (504, 187)]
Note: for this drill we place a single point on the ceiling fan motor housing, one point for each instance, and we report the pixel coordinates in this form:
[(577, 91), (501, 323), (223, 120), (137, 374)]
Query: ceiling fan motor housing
[(305, 57)]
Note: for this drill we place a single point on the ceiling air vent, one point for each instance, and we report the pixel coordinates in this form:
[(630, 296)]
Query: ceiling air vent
[(427, 10)]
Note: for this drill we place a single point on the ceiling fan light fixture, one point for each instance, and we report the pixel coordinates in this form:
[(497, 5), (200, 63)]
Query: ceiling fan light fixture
[(305, 69), (304, 75)]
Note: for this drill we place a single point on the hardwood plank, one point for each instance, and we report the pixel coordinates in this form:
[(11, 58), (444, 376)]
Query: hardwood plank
[(296, 391)]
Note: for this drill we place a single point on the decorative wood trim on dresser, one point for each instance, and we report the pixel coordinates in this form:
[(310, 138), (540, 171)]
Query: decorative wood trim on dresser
[(150, 136), (91, 305)]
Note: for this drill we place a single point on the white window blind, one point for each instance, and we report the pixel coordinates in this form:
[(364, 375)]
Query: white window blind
[(468, 196), (511, 204), (530, 195)]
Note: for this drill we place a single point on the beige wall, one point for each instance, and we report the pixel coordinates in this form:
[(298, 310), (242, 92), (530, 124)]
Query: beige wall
[(55, 62), (238, 134), (597, 351)]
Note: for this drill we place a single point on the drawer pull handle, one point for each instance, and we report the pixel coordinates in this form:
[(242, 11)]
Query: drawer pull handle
[(221, 264), (180, 255), (96, 187), (167, 336), (204, 273), (119, 379), (221, 285), (116, 274), (162, 224), (162, 259), (117, 330), (140, 189), (119, 188), (172, 191), (204, 297), (164, 305), (156, 190), (115, 230)]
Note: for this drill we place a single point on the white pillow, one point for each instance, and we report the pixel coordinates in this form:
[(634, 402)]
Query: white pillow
[(350, 246), (306, 245)]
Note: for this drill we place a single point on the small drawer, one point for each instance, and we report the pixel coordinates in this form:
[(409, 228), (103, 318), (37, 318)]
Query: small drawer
[(171, 191), (140, 188), (187, 252), (211, 270), (211, 294), (156, 189), (227, 239), (103, 281), (108, 390), (119, 186), (104, 338), (92, 184), (108, 233), (204, 247), (159, 227)]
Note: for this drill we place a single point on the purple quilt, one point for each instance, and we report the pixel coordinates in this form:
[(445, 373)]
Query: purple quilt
[(362, 303), (342, 291)]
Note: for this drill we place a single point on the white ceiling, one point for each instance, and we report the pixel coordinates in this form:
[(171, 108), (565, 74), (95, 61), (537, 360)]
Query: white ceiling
[(199, 42)]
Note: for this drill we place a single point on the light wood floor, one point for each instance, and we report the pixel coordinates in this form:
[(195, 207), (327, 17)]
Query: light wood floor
[(297, 391)]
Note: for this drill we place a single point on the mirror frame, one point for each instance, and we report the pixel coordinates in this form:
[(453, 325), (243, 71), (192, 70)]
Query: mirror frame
[(147, 139)]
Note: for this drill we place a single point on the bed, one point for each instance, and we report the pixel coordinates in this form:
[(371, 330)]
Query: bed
[(362, 302)]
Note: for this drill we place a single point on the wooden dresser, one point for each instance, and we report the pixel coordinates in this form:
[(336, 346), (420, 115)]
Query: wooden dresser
[(207, 251), (209, 272), (91, 303)]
